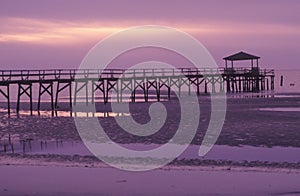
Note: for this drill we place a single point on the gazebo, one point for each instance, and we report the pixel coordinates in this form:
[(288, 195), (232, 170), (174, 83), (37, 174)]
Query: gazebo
[(241, 56)]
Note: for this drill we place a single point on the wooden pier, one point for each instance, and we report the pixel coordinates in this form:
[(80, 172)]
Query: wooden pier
[(53, 82)]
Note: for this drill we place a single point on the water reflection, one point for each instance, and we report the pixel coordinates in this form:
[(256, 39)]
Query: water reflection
[(59, 147), (218, 152), (99, 114), (47, 113), (262, 94)]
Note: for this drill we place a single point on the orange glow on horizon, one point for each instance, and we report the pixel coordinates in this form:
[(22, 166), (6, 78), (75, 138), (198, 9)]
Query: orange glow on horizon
[(38, 31)]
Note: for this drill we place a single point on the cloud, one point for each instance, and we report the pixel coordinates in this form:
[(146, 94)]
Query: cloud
[(50, 32), (61, 32)]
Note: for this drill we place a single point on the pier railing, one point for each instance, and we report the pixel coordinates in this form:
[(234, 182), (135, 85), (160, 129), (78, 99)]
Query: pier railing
[(71, 74)]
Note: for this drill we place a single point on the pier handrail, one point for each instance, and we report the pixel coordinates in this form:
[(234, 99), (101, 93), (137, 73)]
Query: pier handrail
[(56, 74)]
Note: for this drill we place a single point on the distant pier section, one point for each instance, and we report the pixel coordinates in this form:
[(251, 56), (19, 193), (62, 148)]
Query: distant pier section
[(228, 79)]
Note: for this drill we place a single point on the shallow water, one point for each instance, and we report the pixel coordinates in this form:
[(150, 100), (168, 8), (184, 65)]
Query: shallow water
[(218, 152), (281, 109)]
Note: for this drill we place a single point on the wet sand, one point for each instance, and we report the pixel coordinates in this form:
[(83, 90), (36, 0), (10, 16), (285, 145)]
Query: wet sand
[(246, 123)]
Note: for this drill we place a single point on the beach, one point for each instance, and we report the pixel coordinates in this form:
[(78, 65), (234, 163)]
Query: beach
[(150, 98), (257, 152), (58, 180)]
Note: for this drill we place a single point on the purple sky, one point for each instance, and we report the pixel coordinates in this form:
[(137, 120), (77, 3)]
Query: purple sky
[(52, 34)]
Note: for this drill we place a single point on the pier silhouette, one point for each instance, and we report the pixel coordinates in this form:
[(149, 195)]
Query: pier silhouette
[(205, 80)]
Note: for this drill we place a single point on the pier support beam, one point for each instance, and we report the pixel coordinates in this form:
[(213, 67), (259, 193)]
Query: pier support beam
[(142, 84), (257, 83), (152, 83), (24, 88), (163, 82), (59, 88), (272, 82), (196, 82), (112, 84), (177, 82), (6, 95), (127, 84), (228, 84), (85, 83), (46, 87), (98, 85)]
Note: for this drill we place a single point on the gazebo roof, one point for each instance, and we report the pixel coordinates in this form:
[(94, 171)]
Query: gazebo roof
[(241, 56)]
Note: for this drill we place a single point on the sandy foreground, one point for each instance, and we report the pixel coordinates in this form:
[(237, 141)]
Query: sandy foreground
[(59, 180)]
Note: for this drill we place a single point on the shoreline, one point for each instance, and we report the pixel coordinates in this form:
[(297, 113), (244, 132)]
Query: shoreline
[(76, 161)]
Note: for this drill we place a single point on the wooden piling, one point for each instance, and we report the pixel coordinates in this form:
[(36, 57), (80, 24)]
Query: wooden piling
[(281, 80)]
